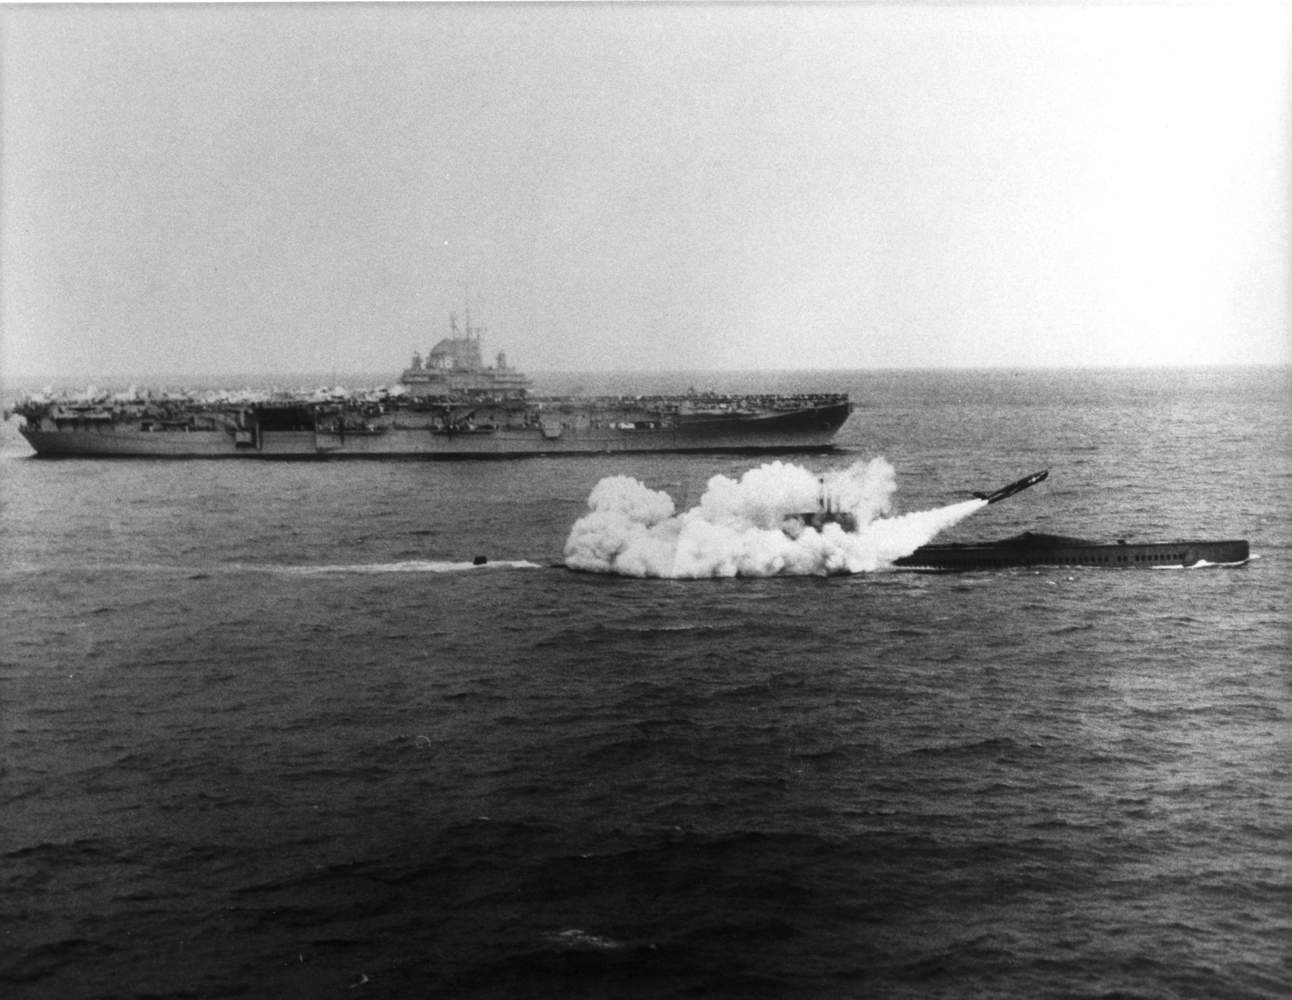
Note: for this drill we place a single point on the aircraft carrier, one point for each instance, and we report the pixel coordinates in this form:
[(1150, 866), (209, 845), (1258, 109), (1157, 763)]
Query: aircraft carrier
[(447, 405)]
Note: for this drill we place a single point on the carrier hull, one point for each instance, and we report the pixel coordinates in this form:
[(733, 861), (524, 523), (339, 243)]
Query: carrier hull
[(577, 430), (447, 405)]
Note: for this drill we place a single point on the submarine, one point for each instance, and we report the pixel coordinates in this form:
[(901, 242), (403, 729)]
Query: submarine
[(1033, 548)]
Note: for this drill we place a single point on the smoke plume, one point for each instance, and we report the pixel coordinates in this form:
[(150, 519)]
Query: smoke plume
[(740, 527)]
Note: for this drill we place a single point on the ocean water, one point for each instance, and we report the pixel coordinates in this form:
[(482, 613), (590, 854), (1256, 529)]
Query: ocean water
[(266, 733)]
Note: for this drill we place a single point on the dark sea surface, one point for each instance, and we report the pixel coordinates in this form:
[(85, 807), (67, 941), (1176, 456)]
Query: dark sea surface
[(264, 735)]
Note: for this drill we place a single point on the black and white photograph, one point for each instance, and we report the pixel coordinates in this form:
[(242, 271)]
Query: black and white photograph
[(646, 500)]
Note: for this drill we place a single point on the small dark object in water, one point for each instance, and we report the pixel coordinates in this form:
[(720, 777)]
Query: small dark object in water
[(479, 561)]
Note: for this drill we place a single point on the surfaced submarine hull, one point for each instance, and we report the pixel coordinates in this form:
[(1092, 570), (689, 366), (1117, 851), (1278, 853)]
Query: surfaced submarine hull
[(1015, 487), (1037, 549)]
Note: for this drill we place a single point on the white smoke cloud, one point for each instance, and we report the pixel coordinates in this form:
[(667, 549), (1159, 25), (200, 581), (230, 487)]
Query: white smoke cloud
[(739, 527)]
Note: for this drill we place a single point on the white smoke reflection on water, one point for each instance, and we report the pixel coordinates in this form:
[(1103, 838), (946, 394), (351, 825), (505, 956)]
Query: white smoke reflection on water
[(739, 526)]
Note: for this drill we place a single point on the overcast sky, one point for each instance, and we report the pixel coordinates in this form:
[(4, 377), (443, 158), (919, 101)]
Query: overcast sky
[(283, 188)]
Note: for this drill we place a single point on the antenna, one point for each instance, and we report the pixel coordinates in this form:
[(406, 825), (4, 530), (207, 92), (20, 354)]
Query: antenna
[(466, 298)]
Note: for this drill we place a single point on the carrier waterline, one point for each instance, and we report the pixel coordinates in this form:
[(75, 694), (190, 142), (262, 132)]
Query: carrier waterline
[(449, 405)]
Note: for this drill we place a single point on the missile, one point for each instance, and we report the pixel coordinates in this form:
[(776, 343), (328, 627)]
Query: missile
[(1012, 488)]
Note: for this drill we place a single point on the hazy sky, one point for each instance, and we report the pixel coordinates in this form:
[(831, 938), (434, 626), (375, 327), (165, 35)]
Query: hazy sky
[(273, 189)]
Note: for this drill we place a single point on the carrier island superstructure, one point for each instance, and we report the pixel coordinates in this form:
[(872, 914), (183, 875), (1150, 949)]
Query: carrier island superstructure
[(447, 405)]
